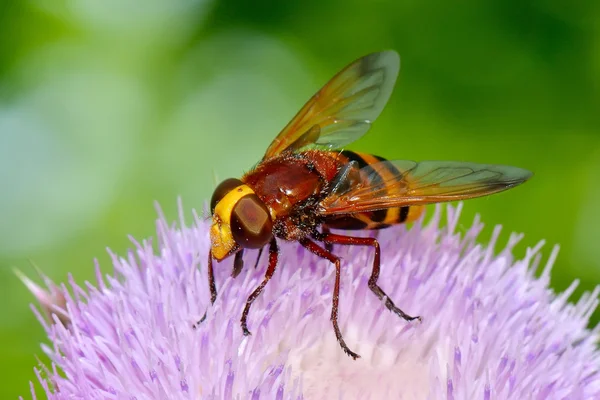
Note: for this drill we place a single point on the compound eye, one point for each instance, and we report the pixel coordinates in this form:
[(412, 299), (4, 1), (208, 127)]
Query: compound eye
[(251, 224), (221, 191)]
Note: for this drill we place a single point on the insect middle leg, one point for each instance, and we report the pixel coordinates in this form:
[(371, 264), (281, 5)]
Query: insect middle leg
[(323, 253), (238, 263), (326, 231), (375, 288), (273, 256)]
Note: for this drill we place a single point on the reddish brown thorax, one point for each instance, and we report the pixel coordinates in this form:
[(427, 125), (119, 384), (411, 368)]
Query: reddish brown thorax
[(285, 181)]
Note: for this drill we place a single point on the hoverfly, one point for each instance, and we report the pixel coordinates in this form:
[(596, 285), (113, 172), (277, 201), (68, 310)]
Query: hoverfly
[(306, 184)]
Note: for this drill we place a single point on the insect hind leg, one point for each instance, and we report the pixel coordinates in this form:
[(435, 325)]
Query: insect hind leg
[(375, 288), (321, 252)]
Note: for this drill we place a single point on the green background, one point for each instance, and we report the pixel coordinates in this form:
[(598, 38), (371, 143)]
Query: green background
[(107, 106)]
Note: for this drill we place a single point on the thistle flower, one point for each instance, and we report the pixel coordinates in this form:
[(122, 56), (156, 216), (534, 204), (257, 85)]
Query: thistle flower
[(490, 329)]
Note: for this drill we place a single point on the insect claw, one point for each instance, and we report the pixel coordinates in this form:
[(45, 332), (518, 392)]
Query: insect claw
[(403, 315), (245, 327), (409, 318), (197, 324), (351, 353)]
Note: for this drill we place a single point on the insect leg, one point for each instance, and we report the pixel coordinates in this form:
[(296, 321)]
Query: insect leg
[(326, 231), (238, 263), (211, 285), (258, 257), (273, 256), (321, 252), (211, 279), (375, 288)]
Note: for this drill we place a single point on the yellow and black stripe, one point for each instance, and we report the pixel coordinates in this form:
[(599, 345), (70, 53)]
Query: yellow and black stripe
[(379, 219)]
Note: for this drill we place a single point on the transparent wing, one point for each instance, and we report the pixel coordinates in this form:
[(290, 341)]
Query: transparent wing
[(388, 184), (343, 110)]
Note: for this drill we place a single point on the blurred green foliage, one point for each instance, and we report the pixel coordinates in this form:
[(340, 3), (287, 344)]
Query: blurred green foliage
[(108, 106)]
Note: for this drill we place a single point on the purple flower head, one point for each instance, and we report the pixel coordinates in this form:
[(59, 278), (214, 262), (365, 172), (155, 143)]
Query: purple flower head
[(490, 329)]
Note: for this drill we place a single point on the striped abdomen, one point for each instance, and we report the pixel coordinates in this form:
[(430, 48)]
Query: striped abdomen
[(375, 219)]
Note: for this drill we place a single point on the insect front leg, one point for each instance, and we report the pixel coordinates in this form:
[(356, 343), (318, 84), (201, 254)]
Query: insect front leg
[(321, 252), (211, 280), (273, 257), (375, 288), (211, 285)]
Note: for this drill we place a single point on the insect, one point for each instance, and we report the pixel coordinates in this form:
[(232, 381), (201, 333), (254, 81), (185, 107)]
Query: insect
[(306, 185)]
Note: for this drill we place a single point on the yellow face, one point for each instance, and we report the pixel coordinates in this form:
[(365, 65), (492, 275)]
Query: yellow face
[(221, 237)]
